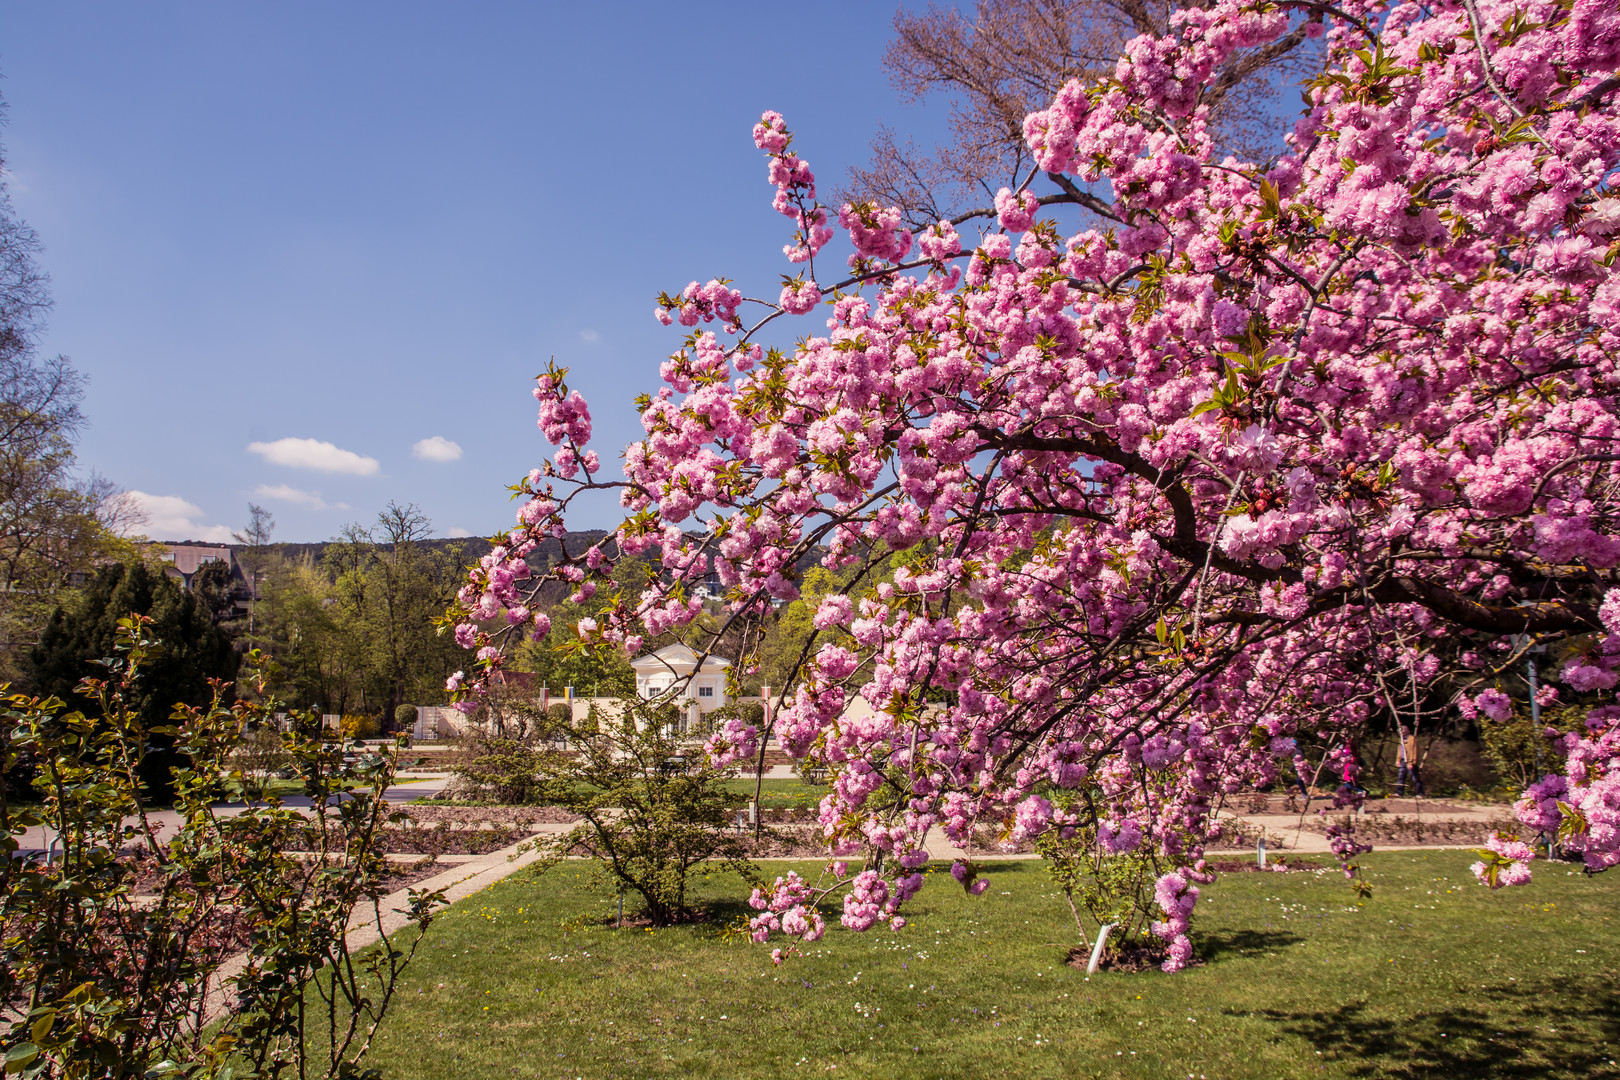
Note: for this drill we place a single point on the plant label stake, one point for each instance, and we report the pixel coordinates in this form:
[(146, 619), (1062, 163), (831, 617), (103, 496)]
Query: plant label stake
[(1096, 950), (1260, 851), (621, 909)]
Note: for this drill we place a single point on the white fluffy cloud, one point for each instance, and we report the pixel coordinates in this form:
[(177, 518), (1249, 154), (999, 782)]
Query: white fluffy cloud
[(169, 517), (436, 448), (314, 454), (590, 337), (457, 533), (288, 493)]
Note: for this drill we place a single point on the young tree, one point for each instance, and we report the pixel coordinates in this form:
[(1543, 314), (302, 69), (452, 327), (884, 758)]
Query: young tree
[(55, 527), (255, 541), (96, 980), (1182, 494), (652, 815)]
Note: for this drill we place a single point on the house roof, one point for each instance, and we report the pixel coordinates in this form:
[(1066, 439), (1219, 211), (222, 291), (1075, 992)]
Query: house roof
[(676, 658)]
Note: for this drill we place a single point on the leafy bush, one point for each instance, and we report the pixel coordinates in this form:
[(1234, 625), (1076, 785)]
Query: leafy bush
[(260, 757), (355, 726), (405, 717), (560, 716), (95, 982), (651, 814), (1108, 888), (502, 771)]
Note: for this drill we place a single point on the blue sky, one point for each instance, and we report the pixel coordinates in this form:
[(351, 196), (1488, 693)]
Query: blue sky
[(369, 225)]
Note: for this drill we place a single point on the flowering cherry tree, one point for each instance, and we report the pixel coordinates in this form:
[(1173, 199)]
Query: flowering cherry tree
[(1160, 464)]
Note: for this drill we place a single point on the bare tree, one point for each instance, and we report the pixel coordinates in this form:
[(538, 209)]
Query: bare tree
[(54, 525), (255, 538), (1010, 58)]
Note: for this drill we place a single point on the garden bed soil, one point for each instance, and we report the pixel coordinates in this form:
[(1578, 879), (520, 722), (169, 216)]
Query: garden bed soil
[(1292, 802), (476, 816), (790, 842), (404, 875), (1125, 959), (1400, 829), (1275, 864)]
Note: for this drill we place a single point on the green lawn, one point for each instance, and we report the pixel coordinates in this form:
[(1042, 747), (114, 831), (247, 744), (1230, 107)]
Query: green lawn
[(782, 794), (1432, 977)]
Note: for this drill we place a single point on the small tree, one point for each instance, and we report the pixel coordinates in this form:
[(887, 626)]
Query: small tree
[(255, 538), (1110, 877), (652, 814), (260, 757)]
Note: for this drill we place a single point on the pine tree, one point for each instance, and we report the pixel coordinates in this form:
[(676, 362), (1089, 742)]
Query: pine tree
[(193, 651)]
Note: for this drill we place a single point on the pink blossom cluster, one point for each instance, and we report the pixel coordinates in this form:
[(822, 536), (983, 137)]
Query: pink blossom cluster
[(1507, 862), (795, 189), (706, 303), (789, 907), (1344, 845), (1176, 896), (877, 232), (1581, 805)]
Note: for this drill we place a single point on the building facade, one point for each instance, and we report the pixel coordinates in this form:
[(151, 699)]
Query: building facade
[(659, 672)]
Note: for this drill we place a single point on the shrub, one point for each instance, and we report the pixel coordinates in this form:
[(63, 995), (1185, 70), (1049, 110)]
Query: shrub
[(405, 717), (96, 984), (355, 726), (651, 816), (560, 717), (501, 771), (1108, 888), (261, 755)]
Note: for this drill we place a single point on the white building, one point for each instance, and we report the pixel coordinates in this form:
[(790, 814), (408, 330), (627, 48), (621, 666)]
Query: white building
[(657, 672)]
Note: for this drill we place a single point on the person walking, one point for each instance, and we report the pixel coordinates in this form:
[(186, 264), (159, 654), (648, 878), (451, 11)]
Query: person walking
[(1406, 767)]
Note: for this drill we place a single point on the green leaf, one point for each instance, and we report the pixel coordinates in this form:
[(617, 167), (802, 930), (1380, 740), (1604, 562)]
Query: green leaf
[(19, 1057), (1272, 201)]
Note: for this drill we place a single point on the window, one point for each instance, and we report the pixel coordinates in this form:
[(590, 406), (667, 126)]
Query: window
[(705, 691)]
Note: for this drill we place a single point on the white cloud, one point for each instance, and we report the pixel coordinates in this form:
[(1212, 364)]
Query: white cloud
[(314, 454), (169, 517), (287, 493), (590, 337), (457, 534), (436, 448)]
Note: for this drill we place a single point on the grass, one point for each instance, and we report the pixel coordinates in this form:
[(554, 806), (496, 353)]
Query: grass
[(1432, 977), (780, 794)]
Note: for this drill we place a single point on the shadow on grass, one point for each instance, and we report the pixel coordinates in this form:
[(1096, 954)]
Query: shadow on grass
[(1212, 948), (1567, 1030), (725, 910)]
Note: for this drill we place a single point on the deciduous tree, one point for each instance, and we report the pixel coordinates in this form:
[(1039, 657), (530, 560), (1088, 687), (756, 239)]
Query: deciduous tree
[(1184, 490)]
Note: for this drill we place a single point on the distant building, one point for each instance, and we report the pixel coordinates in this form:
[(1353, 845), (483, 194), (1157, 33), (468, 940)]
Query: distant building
[(185, 559), (657, 672)]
